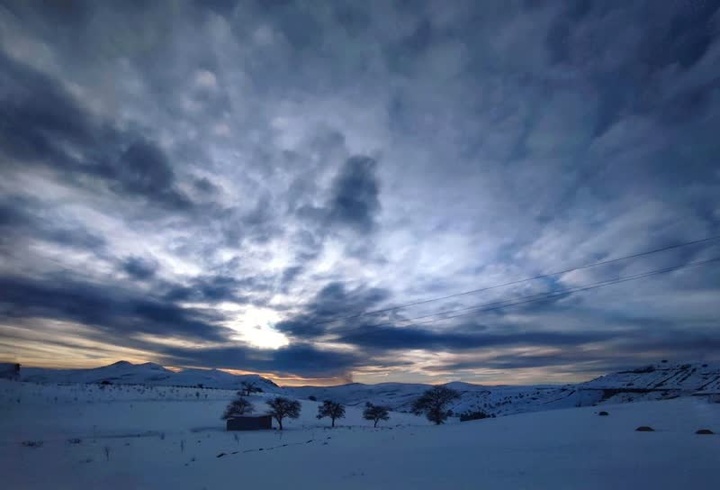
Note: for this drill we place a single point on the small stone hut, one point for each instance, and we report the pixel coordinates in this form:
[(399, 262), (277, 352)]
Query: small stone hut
[(249, 422)]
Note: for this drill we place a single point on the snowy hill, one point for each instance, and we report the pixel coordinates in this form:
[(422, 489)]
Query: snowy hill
[(123, 372), (685, 378), (654, 382)]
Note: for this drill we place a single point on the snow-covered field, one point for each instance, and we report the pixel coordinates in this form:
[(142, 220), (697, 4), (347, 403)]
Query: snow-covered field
[(124, 437)]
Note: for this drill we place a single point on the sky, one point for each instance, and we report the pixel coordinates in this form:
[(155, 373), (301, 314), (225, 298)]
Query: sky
[(242, 185)]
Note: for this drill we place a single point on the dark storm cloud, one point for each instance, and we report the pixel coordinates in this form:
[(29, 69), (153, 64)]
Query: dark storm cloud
[(217, 288), (672, 38), (38, 116), (291, 273), (382, 338), (303, 360), (139, 268), (22, 220), (355, 201), (628, 348), (105, 307), (144, 170), (42, 124), (204, 185), (334, 302)]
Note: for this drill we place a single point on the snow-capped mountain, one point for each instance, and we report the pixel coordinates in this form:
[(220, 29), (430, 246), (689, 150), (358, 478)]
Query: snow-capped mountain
[(123, 372)]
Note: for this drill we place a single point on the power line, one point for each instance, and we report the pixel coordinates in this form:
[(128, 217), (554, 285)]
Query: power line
[(497, 305), (534, 298), (520, 281)]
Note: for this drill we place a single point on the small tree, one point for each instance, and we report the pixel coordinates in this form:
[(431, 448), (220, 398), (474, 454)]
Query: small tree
[(375, 413), (331, 409), (247, 388), (433, 403), (237, 408), (281, 407)]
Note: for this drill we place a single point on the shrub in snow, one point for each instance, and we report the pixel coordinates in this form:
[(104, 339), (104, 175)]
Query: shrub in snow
[(312, 398), (603, 414), (376, 413), (645, 428), (433, 403), (281, 408), (74, 440), (332, 410), (35, 444), (478, 415), (237, 408), (706, 432)]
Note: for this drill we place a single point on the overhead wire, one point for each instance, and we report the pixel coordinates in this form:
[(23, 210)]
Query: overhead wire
[(496, 305), (520, 281), (602, 284)]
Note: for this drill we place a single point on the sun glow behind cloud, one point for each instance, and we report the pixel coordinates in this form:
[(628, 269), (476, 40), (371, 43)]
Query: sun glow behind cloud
[(254, 325)]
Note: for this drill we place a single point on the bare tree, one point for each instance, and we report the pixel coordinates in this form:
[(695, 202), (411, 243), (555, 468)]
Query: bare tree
[(281, 407), (376, 413), (247, 388), (237, 408), (433, 403), (331, 409)]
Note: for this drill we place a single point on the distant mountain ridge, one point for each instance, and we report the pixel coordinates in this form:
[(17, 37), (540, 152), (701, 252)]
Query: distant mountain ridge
[(124, 372), (652, 382)]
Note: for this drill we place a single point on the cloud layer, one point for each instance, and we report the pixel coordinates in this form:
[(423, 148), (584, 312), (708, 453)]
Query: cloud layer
[(237, 184)]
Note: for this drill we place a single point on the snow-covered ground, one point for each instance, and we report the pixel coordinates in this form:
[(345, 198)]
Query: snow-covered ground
[(123, 437)]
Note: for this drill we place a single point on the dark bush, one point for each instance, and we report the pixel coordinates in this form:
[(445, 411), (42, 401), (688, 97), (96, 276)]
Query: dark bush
[(433, 403), (645, 428), (34, 444), (704, 432), (644, 370), (603, 413), (479, 415)]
